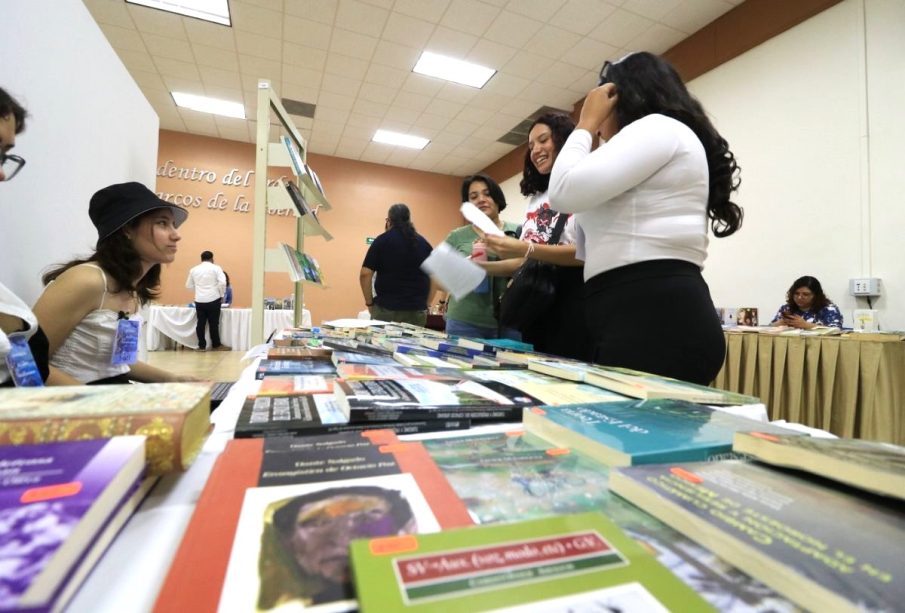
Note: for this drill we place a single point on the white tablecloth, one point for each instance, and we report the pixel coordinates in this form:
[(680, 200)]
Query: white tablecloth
[(169, 324)]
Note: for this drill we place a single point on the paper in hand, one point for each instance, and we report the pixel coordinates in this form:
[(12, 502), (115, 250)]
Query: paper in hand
[(479, 219), (453, 270)]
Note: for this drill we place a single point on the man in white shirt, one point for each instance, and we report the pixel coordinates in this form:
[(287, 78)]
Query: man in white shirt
[(209, 283)]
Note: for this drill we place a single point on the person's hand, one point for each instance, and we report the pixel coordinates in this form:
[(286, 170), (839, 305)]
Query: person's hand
[(371, 309), (180, 378), (506, 247), (795, 321), (598, 106), (441, 307)]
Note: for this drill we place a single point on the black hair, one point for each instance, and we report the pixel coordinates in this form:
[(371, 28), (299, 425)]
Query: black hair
[(284, 518), (8, 105), (560, 126), (207, 256), (820, 299), (226, 274), (118, 258), (400, 218), (648, 84), (496, 192)]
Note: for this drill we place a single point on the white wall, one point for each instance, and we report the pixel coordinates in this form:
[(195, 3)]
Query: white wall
[(814, 119), (89, 126)]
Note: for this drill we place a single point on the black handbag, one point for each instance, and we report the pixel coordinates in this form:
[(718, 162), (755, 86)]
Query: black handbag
[(532, 290)]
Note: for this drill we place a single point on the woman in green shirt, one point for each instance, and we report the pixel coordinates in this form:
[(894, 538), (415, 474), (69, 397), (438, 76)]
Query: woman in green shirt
[(473, 315)]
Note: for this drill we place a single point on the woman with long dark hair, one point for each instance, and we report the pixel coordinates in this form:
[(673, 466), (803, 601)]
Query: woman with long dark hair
[(91, 304), (560, 329), (644, 200), (807, 306), (396, 255)]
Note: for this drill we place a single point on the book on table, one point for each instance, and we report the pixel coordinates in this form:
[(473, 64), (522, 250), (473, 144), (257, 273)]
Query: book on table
[(566, 562), (291, 385), (60, 505), (869, 465), (435, 398), (352, 476), (299, 353), (514, 474), (642, 431), (294, 367), (549, 390), (824, 546), (307, 414), (648, 386), (175, 417)]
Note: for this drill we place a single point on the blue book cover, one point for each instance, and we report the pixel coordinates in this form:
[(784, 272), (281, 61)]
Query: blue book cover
[(54, 499), (642, 431), (294, 367)]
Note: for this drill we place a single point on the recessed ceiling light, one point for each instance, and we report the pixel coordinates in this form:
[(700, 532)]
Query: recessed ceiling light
[(216, 11), (403, 140), (451, 69), (209, 105)]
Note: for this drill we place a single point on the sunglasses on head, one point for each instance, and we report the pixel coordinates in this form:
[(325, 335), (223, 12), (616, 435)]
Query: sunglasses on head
[(605, 73)]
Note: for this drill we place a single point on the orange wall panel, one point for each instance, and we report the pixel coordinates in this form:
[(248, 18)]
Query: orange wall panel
[(199, 173)]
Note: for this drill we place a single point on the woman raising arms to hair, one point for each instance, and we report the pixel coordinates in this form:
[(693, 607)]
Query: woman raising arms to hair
[(560, 330), (89, 307), (644, 200)]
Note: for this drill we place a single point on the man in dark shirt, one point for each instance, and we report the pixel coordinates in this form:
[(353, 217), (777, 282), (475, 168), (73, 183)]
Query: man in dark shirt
[(402, 287)]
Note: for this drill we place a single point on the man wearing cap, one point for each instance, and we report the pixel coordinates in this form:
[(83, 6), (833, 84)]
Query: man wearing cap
[(209, 282), (89, 308), (18, 325)]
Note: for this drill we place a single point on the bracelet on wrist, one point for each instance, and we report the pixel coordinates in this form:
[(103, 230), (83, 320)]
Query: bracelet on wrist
[(530, 250)]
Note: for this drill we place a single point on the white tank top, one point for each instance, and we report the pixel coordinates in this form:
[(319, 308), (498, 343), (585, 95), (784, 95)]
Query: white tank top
[(88, 350)]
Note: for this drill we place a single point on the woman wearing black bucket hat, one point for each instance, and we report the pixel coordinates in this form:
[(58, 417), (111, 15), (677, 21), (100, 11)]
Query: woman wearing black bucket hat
[(89, 307)]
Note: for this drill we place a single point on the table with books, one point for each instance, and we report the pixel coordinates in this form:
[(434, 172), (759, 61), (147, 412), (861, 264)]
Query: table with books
[(264, 521), (850, 385), (169, 327)]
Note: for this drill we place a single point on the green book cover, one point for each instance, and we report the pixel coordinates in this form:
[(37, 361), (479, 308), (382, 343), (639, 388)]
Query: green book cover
[(585, 557), (823, 546), (642, 431)]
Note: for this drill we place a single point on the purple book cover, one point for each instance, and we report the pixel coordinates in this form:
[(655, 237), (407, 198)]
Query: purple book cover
[(45, 492)]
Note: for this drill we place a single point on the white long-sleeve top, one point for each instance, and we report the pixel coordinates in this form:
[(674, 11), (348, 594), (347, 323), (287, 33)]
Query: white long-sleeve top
[(208, 281), (640, 196)]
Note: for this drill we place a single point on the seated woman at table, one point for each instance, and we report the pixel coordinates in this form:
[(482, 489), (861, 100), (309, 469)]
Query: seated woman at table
[(807, 306), (89, 308)]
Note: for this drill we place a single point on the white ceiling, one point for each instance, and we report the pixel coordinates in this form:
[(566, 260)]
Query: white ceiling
[(354, 59)]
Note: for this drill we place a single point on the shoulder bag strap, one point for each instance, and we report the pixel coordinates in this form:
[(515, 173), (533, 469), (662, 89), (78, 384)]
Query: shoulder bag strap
[(558, 228)]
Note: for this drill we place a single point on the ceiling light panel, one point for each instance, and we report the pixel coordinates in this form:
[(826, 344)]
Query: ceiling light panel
[(451, 69), (402, 140), (209, 105), (216, 11)]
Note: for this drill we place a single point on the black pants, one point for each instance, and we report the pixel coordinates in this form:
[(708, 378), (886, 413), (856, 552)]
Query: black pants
[(658, 317), (562, 331), (208, 314)]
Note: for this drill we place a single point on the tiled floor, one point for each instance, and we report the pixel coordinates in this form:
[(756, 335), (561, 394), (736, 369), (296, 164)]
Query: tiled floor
[(210, 365)]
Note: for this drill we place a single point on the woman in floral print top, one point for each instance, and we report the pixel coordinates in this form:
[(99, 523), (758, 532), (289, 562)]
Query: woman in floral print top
[(807, 306)]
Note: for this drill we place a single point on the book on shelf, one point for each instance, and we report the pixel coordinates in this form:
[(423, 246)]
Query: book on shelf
[(642, 431), (299, 353), (60, 505), (584, 558), (292, 385), (294, 367), (175, 417), (822, 545), (304, 172), (199, 572), (299, 201), (302, 267), (647, 386), (868, 465), (415, 399), (267, 416)]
